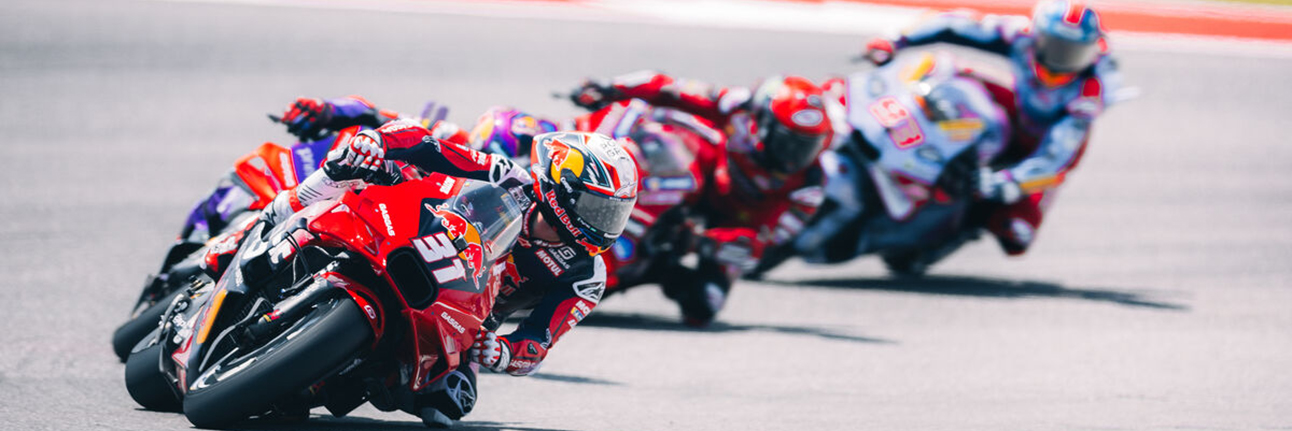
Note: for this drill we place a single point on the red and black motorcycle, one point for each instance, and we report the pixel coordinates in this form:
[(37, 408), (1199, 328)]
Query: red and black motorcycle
[(661, 230), (370, 297), (231, 207)]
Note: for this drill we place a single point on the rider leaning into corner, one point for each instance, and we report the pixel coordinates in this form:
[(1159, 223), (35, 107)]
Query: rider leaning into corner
[(1063, 76), (583, 187), (765, 181)]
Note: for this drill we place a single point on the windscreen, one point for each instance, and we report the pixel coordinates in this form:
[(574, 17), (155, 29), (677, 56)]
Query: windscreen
[(493, 212)]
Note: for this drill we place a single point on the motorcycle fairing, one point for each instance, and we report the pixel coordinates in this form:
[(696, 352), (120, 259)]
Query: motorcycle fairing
[(377, 222), (886, 108)]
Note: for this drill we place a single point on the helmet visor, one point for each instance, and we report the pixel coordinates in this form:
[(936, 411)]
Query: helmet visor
[(1065, 56), (606, 214), (787, 151)]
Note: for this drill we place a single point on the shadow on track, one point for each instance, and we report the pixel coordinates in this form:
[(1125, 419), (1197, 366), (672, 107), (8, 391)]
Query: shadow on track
[(327, 422), (566, 378), (955, 285), (657, 323)]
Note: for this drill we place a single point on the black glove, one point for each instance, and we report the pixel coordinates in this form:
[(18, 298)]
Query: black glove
[(592, 95), (307, 118)]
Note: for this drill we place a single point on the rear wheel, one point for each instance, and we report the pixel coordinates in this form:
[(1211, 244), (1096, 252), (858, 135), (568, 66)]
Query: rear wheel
[(245, 384), (146, 383), (134, 330)]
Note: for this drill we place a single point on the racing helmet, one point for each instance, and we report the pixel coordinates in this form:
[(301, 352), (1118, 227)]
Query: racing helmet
[(791, 124), (1068, 35), (586, 184), (507, 131)]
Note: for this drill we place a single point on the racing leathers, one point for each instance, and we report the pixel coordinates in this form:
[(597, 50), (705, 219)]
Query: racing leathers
[(1052, 115), (560, 283), (744, 207)]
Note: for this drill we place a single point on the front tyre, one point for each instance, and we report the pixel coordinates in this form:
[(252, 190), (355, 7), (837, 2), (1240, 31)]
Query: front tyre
[(130, 333), (242, 385), (146, 382)]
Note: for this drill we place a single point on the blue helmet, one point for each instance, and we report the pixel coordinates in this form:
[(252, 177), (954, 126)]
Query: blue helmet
[(1068, 35)]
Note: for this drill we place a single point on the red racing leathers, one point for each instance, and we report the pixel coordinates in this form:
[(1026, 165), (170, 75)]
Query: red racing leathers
[(744, 207), (560, 283)]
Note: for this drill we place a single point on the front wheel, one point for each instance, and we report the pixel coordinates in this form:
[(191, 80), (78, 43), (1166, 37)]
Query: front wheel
[(241, 385), (138, 327), (147, 384)]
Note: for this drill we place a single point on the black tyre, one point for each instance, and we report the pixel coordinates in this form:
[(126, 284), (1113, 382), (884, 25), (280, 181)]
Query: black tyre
[(147, 384), (129, 333), (910, 264), (243, 385)]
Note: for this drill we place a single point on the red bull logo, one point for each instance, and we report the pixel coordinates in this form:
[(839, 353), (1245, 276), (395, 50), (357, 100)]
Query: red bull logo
[(564, 157), (453, 223), (474, 255), (458, 227), (550, 196)]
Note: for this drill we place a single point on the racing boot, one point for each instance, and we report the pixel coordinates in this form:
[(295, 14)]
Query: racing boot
[(699, 294), (916, 263), (448, 399)]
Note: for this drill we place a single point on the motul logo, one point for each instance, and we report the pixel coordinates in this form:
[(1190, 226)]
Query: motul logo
[(550, 263)]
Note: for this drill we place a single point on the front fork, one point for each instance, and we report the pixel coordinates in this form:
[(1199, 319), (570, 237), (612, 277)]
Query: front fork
[(323, 285)]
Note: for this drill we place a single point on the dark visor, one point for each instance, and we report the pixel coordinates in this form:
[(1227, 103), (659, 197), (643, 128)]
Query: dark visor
[(1065, 56), (788, 151), (603, 213)]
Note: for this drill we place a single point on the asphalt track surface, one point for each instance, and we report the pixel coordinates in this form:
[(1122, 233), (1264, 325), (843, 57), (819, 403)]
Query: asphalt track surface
[(1157, 297)]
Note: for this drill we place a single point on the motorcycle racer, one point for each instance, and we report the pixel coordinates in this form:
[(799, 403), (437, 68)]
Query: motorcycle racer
[(314, 121), (508, 131), (583, 187), (1064, 75), (764, 176), (309, 118)]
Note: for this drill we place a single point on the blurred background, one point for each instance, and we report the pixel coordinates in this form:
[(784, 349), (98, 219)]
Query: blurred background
[(1156, 295)]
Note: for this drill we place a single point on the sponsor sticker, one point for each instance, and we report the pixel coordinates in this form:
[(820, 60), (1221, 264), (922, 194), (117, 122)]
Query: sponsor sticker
[(591, 291), (888, 111), (549, 262), (807, 118)]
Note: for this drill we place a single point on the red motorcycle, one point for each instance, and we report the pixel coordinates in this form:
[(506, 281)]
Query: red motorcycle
[(253, 182), (664, 142), (370, 297)]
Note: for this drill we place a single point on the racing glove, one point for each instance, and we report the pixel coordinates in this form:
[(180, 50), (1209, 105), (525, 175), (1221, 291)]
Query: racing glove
[(358, 158), (593, 95), (998, 186), (306, 118), (490, 353), (309, 118), (880, 51), (494, 353)]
